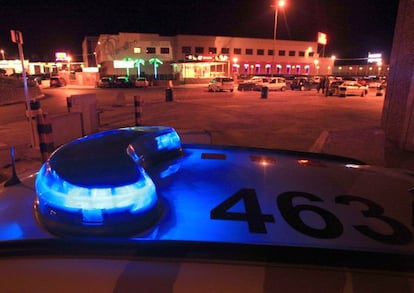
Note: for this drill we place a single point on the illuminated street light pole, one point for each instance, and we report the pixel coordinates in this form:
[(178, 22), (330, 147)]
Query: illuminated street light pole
[(280, 3), (333, 58), (96, 60)]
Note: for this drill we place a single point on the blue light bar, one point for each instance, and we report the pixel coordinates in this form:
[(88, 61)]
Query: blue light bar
[(135, 197), (99, 181)]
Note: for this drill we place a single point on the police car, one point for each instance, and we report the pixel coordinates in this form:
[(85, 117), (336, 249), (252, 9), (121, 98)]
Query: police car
[(135, 210)]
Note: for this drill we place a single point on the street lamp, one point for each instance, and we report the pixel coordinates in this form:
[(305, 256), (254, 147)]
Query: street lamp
[(2, 54), (279, 3), (96, 59)]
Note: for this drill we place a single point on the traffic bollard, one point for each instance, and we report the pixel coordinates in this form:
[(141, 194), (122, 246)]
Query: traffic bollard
[(168, 95), (380, 91), (44, 129), (264, 92), (31, 117), (138, 110)]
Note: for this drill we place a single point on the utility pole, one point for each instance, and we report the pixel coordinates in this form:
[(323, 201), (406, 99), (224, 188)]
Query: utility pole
[(17, 38)]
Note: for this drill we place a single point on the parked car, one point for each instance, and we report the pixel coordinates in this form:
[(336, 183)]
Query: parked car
[(122, 81), (141, 82), (275, 84), (374, 82), (56, 81), (246, 86), (219, 84), (106, 82), (348, 88), (254, 83), (302, 84), (36, 79), (333, 89)]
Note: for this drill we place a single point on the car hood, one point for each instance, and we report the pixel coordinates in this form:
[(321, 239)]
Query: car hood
[(248, 196)]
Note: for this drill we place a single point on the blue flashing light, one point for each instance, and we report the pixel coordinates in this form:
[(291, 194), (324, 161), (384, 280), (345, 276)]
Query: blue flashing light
[(64, 194), (155, 146), (53, 191), (100, 181), (168, 141)]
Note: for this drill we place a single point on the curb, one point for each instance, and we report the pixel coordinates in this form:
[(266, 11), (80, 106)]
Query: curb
[(18, 101)]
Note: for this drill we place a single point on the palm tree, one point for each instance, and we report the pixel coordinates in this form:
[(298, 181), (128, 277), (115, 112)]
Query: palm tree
[(155, 61), (138, 62), (127, 68)]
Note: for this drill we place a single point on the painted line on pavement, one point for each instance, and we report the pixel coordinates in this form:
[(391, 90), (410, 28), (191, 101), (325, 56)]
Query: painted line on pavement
[(320, 142)]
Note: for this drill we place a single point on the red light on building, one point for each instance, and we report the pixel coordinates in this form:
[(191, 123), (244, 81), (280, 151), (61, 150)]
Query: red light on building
[(322, 38)]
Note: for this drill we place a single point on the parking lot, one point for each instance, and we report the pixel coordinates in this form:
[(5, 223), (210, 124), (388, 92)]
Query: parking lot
[(284, 120), (292, 120)]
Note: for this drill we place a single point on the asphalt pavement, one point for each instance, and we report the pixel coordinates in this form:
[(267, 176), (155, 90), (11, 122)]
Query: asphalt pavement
[(365, 144)]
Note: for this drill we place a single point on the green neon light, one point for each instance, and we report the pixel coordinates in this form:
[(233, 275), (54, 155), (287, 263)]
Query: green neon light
[(156, 62)]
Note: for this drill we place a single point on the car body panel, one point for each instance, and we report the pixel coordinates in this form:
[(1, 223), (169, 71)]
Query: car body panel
[(172, 275), (274, 178), (275, 217)]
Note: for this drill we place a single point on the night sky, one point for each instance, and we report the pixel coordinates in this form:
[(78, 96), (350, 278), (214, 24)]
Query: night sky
[(354, 27)]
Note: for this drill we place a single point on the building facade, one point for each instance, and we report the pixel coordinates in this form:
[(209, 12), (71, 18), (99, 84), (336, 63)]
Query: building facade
[(371, 69), (193, 57)]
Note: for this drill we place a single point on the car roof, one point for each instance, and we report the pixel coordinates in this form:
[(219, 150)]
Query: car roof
[(273, 201)]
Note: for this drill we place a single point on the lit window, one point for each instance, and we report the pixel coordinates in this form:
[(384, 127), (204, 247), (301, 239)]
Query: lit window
[(137, 50)]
